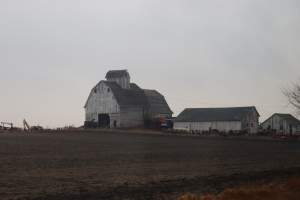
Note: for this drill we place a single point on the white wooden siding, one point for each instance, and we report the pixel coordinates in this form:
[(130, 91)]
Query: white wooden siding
[(132, 117), (101, 100), (251, 123), (280, 125)]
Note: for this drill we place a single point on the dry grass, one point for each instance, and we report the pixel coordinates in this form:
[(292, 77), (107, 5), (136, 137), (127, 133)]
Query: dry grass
[(289, 190)]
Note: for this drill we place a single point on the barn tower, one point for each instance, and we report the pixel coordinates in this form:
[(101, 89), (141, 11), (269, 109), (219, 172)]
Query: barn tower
[(121, 77)]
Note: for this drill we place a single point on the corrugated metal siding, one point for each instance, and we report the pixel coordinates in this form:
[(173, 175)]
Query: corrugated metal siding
[(206, 126)]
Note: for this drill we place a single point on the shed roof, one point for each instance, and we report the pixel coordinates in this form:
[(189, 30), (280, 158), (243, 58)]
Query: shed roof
[(287, 117), (116, 74), (214, 114)]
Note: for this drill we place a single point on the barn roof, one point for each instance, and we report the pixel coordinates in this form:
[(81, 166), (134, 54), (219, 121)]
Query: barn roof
[(214, 114), (135, 96), (116, 74), (157, 102), (287, 117), (127, 97)]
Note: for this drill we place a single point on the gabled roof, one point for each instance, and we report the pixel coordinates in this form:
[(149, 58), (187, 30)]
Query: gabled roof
[(135, 96), (214, 114), (116, 74), (124, 97), (287, 117), (157, 102)]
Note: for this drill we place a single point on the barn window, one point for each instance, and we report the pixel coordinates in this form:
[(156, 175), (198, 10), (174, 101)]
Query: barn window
[(108, 89)]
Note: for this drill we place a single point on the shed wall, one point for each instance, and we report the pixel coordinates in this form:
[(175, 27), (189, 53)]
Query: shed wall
[(206, 126), (251, 122)]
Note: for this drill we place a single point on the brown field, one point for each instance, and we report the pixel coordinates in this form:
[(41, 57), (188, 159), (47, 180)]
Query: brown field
[(99, 165)]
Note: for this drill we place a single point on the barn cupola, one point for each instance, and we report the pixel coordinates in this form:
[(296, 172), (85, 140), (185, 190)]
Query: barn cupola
[(121, 77)]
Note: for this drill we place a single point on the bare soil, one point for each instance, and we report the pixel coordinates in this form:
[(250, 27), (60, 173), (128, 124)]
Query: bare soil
[(108, 165)]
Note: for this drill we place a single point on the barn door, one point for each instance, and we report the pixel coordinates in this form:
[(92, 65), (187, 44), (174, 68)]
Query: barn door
[(103, 121), (291, 130)]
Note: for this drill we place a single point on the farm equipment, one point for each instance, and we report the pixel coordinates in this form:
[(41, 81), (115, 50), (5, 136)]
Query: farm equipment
[(6, 126), (26, 126), (166, 123), (29, 128)]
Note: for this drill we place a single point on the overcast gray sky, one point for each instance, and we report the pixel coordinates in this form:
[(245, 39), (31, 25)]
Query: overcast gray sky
[(198, 53)]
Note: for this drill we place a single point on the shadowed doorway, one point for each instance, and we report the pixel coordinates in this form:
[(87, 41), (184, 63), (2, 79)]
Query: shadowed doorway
[(103, 120)]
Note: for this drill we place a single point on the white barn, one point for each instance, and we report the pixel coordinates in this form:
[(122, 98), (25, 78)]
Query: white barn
[(222, 119), (116, 102), (285, 124)]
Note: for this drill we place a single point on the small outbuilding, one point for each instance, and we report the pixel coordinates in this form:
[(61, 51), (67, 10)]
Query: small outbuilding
[(285, 124), (235, 119)]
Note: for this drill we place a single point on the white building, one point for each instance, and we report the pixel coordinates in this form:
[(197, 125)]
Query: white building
[(116, 102), (222, 119), (282, 124)]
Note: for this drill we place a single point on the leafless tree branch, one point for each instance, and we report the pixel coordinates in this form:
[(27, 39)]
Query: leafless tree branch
[(293, 95)]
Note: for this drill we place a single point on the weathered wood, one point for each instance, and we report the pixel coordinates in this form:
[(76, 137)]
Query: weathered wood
[(125, 103)]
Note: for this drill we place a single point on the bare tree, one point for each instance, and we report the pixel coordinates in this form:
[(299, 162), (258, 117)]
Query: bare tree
[(293, 95)]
